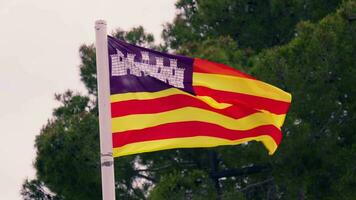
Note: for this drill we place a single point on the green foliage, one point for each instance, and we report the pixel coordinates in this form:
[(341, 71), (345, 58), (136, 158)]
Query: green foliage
[(222, 50), (35, 190), (88, 67), (140, 37), (317, 67), (67, 150), (136, 36), (194, 184), (254, 24)]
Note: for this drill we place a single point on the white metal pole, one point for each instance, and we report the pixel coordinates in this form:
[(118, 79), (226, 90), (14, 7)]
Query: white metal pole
[(102, 68)]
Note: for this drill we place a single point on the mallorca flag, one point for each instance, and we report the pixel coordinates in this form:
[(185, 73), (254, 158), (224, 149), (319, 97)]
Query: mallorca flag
[(162, 101)]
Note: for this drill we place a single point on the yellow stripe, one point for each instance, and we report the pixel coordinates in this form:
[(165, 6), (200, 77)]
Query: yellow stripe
[(212, 103), (164, 93), (141, 121), (189, 142), (278, 119), (240, 85), (146, 95)]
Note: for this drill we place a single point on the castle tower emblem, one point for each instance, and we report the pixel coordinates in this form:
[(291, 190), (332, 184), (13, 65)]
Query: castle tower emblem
[(171, 74)]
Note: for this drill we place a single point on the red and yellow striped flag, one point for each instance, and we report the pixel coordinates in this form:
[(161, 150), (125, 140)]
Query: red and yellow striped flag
[(161, 101)]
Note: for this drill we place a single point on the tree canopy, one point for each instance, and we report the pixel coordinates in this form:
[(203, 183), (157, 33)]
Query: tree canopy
[(304, 47), (253, 24)]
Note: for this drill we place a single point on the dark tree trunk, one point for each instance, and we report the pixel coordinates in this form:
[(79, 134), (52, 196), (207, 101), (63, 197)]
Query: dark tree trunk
[(214, 164)]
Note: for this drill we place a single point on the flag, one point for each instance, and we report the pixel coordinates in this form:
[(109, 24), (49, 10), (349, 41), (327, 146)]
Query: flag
[(161, 101)]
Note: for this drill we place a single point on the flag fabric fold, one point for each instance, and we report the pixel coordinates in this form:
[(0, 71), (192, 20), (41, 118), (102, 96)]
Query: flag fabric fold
[(161, 101)]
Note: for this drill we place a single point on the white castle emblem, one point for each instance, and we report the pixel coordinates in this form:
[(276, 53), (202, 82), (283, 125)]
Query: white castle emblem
[(172, 74)]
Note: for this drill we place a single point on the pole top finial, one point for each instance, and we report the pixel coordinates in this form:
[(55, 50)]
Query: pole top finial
[(100, 23)]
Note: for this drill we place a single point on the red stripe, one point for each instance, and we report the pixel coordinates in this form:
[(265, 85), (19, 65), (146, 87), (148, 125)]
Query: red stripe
[(205, 66), (170, 103), (254, 102), (191, 129)]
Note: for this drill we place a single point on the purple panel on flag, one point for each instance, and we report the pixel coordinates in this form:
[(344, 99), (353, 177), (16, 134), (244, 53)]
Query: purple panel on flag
[(138, 69)]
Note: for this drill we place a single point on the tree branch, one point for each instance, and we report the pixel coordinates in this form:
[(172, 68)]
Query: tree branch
[(146, 177), (256, 184), (242, 171), (166, 167)]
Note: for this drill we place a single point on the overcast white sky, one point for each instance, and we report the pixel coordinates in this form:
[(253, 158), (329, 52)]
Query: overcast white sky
[(39, 41)]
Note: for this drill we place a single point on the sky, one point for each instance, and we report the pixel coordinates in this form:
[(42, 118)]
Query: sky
[(39, 42)]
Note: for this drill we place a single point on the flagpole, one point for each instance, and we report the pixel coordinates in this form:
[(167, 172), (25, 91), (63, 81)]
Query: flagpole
[(102, 68)]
